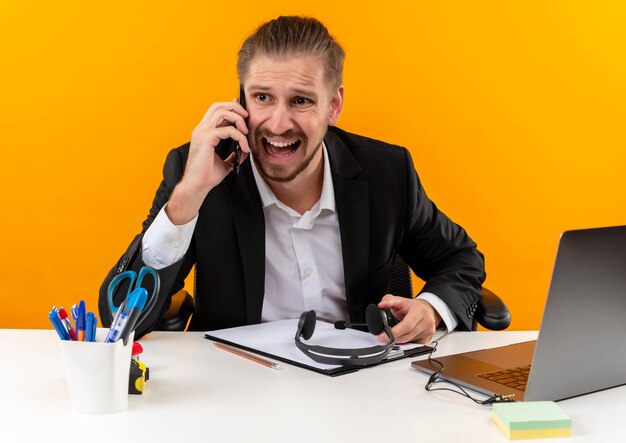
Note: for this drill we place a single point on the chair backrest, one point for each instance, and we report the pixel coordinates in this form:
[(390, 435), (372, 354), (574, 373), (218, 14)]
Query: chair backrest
[(400, 282)]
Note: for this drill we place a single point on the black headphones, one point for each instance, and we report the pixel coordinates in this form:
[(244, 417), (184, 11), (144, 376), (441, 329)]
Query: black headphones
[(376, 322)]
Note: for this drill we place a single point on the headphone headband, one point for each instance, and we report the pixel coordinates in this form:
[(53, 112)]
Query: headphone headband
[(376, 323)]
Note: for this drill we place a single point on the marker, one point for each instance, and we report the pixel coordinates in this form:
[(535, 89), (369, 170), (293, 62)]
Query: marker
[(80, 321), (136, 303), (58, 325), (247, 355), (90, 327), (126, 323), (67, 322)]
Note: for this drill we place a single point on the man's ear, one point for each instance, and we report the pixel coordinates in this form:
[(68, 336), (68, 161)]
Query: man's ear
[(336, 105)]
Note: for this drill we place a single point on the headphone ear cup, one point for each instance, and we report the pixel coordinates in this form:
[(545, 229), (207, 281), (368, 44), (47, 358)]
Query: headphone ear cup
[(376, 319), (307, 322)]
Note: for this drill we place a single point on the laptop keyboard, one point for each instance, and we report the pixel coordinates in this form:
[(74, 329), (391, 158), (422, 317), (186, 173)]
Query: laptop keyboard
[(515, 378)]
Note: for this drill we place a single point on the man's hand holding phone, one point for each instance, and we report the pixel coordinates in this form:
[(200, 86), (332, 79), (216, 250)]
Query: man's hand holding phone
[(205, 169)]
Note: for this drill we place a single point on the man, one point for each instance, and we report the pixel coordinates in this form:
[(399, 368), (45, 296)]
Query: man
[(315, 216)]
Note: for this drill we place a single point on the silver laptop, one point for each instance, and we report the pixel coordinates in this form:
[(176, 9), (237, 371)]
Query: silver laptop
[(581, 347)]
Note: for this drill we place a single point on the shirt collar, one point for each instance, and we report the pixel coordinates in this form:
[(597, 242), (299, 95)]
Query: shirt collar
[(327, 198)]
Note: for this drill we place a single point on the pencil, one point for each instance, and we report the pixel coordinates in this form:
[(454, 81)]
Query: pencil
[(249, 356)]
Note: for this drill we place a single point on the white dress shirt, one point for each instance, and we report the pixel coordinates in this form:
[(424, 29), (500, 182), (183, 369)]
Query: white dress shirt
[(303, 261), (303, 256)]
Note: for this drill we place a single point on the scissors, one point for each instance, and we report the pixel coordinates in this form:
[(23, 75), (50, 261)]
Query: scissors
[(134, 284)]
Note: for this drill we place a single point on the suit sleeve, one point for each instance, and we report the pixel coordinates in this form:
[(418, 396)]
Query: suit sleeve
[(172, 278), (441, 253)]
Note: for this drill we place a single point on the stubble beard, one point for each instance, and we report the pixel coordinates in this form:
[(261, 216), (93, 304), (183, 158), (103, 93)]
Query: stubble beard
[(277, 173)]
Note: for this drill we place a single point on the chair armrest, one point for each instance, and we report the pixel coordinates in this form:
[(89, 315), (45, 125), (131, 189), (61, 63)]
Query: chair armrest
[(492, 313), (177, 315)]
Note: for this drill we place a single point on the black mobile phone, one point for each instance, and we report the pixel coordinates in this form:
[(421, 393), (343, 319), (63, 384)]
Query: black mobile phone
[(237, 163)]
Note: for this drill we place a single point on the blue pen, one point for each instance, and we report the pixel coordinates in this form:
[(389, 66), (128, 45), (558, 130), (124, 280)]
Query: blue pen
[(58, 326), (90, 327), (126, 321), (94, 327), (80, 321)]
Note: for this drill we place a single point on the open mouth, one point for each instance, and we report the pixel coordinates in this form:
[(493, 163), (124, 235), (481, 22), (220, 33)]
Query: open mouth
[(280, 149)]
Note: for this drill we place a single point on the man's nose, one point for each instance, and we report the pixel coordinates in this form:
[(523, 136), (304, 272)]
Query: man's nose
[(280, 120)]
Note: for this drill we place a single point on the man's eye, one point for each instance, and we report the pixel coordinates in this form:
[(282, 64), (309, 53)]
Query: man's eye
[(262, 97), (301, 101)]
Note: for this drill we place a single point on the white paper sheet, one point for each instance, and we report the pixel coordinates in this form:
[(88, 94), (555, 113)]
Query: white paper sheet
[(277, 338)]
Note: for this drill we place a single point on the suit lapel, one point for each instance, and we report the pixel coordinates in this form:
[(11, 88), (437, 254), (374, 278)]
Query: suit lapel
[(250, 230), (352, 200)]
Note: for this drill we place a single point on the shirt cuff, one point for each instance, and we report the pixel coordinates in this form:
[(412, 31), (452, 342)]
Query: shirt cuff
[(164, 243), (444, 311)]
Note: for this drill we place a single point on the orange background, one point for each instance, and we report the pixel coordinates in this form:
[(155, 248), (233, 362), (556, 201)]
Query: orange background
[(514, 113)]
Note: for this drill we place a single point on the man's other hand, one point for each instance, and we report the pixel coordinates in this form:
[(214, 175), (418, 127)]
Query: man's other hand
[(418, 319)]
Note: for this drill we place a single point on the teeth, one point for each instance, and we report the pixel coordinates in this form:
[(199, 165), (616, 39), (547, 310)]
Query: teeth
[(281, 144)]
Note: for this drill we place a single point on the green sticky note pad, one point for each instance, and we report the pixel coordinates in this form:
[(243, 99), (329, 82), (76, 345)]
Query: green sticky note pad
[(532, 415), (534, 419)]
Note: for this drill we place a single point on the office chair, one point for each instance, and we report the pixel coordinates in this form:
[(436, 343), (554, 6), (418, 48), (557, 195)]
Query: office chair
[(491, 312), (177, 315)]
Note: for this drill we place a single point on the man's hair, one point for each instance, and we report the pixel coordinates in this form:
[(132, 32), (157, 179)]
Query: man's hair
[(287, 36)]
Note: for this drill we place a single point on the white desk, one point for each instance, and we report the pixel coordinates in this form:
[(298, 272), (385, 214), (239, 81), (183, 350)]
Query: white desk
[(199, 393)]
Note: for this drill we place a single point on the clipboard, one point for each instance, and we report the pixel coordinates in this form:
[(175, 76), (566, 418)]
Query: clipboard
[(275, 340)]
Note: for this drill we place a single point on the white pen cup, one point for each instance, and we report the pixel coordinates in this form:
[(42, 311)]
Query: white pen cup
[(97, 374)]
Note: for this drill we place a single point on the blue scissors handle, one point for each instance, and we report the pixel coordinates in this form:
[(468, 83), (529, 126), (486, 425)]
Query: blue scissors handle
[(132, 276), (152, 298), (135, 282)]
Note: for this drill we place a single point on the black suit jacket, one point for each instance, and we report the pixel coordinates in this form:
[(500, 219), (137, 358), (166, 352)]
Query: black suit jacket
[(382, 210)]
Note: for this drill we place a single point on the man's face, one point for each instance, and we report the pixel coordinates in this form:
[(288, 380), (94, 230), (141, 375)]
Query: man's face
[(290, 108)]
